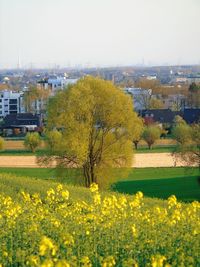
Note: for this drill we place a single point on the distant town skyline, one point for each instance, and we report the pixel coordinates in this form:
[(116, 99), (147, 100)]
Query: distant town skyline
[(93, 33)]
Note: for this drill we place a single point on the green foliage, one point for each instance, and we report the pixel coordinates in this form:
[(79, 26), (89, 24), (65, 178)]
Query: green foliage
[(193, 88), (156, 104), (178, 120), (34, 93), (182, 133), (151, 134), (137, 132), (97, 124), (54, 139), (194, 95), (189, 143), (1, 143), (32, 141)]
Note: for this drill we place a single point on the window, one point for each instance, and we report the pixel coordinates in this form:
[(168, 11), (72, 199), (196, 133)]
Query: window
[(13, 107), (13, 101)]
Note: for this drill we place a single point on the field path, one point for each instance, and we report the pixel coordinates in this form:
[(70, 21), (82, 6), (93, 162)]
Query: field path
[(140, 161)]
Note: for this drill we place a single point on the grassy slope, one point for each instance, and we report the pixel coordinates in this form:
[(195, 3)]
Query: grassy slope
[(135, 173), (11, 185), (154, 182)]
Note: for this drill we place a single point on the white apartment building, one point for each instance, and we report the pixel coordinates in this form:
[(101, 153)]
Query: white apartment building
[(57, 83), (10, 103)]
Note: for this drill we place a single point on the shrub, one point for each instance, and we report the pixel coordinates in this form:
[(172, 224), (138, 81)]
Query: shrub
[(151, 134), (1, 143), (32, 141)]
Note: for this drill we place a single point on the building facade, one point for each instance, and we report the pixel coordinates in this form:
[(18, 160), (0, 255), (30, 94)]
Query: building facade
[(55, 84), (11, 103)]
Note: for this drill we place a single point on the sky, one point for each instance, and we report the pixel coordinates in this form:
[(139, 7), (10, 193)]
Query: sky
[(97, 33)]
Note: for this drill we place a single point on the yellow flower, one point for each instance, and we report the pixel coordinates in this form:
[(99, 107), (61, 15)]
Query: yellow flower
[(97, 199), (5, 254), (26, 196), (139, 194), (94, 188), (157, 261), (59, 188), (85, 262), (62, 263), (65, 195), (33, 260), (109, 262), (68, 240), (47, 263), (172, 201), (50, 192), (46, 245), (129, 263), (134, 230)]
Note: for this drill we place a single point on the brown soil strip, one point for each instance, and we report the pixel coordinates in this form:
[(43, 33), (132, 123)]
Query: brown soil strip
[(139, 161)]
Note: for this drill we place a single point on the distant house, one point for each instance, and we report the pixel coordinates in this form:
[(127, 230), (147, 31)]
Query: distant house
[(140, 96), (20, 123), (159, 116), (193, 79), (176, 101), (167, 115), (191, 115)]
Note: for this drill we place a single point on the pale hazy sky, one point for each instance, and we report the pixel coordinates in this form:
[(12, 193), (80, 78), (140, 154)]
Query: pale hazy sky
[(99, 32)]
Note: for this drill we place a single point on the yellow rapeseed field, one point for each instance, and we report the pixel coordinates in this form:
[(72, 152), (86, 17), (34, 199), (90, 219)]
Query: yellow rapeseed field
[(113, 230)]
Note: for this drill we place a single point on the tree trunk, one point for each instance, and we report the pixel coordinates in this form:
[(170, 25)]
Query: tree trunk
[(86, 175), (89, 175), (136, 144), (149, 145)]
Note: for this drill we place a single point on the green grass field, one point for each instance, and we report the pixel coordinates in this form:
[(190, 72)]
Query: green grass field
[(185, 188), (153, 182), (20, 152), (156, 149), (141, 149), (162, 182)]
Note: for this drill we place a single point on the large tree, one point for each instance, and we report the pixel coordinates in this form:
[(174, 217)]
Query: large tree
[(194, 95), (137, 132), (151, 134), (32, 95), (156, 104), (188, 148), (181, 131), (97, 122)]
